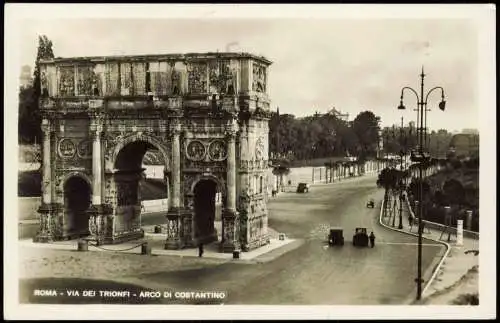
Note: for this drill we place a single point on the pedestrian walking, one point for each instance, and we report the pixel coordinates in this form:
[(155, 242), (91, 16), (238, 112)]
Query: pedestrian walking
[(372, 239), (200, 250), (410, 221)]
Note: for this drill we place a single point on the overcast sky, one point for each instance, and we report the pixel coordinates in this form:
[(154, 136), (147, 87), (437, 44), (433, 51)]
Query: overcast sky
[(351, 64)]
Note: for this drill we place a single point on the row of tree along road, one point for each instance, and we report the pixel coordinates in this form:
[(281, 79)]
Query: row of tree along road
[(453, 185)]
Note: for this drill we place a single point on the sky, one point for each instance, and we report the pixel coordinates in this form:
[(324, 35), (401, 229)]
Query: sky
[(353, 65)]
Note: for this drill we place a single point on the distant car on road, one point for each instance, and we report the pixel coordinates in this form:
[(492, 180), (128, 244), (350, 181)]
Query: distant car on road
[(370, 203), (303, 188)]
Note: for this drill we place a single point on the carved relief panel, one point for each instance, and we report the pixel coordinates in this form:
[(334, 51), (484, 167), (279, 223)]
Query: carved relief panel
[(217, 150), (206, 153), (196, 150), (66, 81), (221, 77), (66, 148), (84, 149), (85, 81), (158, 77), (259, 78), (259, 149), (197, 78), (139, 72), (112, 79), (126, 78)]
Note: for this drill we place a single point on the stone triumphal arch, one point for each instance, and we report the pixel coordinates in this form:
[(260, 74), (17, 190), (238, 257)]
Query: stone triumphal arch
[(206, 115)]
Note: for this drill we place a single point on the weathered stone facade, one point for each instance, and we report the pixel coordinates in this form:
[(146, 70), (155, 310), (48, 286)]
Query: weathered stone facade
[(207, 114)]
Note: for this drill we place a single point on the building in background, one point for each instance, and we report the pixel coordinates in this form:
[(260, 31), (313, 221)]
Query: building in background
[(466, 145), (339, 114)]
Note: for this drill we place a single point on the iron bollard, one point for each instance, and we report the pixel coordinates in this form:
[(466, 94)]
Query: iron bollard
[(236, 254), (145, 249), (83, 245)]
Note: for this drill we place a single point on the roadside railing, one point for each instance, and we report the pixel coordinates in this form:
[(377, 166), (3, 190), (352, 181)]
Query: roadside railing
[(439, 226)]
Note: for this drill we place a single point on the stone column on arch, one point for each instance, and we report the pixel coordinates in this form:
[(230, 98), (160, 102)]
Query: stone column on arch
[(46, 231), (230, 225), (97, 217), (174, 226)]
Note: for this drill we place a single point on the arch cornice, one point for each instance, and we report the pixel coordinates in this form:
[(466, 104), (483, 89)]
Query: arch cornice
[(153, 140)]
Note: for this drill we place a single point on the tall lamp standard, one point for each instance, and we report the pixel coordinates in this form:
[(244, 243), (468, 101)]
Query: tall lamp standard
[(422, 112), (402, 155)]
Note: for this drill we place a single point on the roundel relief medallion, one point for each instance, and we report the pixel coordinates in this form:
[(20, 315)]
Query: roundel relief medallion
[(67, 148), (195, 150), (217, 150), (85, 149)]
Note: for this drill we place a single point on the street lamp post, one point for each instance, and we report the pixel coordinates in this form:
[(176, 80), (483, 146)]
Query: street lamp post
[(422, 112), (402, 155)]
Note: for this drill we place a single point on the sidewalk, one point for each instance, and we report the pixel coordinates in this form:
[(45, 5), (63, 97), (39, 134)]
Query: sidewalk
[(455, 263), (156, 242), (292, 188)]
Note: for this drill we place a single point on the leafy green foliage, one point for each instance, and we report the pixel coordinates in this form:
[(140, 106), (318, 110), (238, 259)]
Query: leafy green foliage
[(322, 136), (454, 192)]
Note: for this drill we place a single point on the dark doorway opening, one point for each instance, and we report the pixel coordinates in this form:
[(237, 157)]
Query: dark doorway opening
[(77, 197), (204, 208)]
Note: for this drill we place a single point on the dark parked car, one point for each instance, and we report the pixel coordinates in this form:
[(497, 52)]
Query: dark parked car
[(360, 238), (370, 204), (336, 237), (303, 188)]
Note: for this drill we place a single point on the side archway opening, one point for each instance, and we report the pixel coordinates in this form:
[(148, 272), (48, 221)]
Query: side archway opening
[(206, 196), (77, 200)]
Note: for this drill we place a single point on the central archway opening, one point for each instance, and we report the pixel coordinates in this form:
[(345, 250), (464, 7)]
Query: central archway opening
[(77, 200), (140, 185), (205, 193)]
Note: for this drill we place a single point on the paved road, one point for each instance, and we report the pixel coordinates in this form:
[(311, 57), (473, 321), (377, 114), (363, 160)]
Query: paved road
[(313, 273)]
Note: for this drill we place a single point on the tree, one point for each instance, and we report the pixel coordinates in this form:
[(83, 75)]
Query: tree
[(29, 126), (454, 192), (389, 180), (366, 127), (280, 169), (414, 189)]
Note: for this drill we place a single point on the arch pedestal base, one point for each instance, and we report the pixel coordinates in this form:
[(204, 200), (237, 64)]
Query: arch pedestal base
[(48, 231), (230, 234), (174, 229)]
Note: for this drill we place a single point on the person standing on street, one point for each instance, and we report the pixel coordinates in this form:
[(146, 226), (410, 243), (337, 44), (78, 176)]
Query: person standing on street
[(200, 250), (372, 239)]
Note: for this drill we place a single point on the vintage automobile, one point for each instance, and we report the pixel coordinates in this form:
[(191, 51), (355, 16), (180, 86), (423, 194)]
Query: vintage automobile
[(303, 188), (360, 238), (336, 236), (370, 204)]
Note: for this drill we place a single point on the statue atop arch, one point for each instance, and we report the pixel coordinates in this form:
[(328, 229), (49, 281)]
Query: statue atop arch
[(102, 114)]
